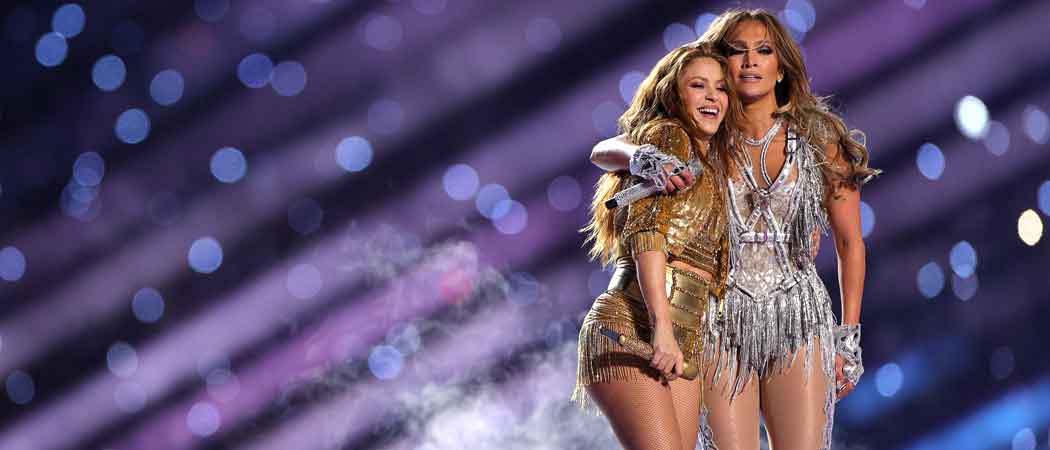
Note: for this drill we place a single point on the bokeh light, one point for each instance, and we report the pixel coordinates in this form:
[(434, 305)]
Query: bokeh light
[(1036, 124), (68, 20), (604, 117), (1043, 197), (1030, 227), (255, 70), (203, 419), (867, 219), (514, 220), (971, 116), (20, 387), (965, 288), (167, 87), (289, 78), (629, 83), (122, 359), (963, 258), (12, 264), (677, 35), (148, 305), (930, 280), (354, 153), (888, 379), (205, 255), (703, 22), (132, 126), (89, 169), (51, 49), (997, 140), (228, 165), (930, 160), (304, 281), (460, 181), (493, 201), (800, 15), (405, 338), (1023, 440), (109, 72), (385, 362)]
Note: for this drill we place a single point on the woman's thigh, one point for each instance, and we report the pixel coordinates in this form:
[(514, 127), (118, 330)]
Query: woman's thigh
[(798, 409), (733, 420), (641, 413)]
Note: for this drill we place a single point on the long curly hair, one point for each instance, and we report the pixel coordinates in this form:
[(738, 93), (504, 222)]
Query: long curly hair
[(658, 102), (809, 114)]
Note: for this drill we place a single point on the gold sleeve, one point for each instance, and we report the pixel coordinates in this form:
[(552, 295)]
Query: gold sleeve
[(647, 220)]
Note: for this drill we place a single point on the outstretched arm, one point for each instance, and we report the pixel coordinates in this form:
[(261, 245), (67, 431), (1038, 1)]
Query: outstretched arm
[(614, 155)]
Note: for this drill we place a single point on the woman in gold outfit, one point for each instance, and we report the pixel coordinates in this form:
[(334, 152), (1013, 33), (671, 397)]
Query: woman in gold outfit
[(669, 253)]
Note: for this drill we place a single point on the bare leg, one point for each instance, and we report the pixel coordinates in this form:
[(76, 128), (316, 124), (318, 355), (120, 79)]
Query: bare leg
[(641, 412), (734, 424), (797, 410)]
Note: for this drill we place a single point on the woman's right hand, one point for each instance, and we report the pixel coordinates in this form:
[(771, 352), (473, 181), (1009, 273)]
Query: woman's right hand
[(667, 357), (678, 182)]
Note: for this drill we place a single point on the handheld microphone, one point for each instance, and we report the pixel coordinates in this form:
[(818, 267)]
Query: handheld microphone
[(644, 350), (647, 188)]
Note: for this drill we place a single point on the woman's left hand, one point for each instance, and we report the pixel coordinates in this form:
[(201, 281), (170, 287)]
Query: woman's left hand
[(842, 386)]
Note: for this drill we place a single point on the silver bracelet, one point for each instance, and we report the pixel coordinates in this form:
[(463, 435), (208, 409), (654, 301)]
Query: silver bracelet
[(649, 163), (847, 345)]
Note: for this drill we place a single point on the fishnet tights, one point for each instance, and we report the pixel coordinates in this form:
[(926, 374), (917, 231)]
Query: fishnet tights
[(649, 414)]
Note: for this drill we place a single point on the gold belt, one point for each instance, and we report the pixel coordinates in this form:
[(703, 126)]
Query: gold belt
[(686, 291)]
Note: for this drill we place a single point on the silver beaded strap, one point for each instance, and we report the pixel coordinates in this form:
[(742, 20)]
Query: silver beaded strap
[(847, 345), (650, 163)]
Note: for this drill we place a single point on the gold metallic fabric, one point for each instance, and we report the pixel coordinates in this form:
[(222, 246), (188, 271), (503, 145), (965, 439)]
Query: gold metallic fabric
[(689, 225), (621, 308)]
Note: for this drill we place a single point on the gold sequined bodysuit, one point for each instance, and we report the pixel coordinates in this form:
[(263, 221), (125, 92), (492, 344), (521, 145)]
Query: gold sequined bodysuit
[(688, 226)]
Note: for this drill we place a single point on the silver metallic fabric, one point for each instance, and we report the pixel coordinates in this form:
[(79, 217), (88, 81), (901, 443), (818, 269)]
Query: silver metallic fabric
[(649, 163), (775, 303), (847, 345)]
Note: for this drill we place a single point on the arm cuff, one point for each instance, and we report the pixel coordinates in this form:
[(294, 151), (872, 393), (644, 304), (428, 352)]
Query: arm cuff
[(646, 241)]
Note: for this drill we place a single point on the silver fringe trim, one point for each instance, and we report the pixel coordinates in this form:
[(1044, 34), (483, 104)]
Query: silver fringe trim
[(763, 337), (807, 208), (707, 435)]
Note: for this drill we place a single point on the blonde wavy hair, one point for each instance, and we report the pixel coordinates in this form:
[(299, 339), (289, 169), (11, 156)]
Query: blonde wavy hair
[(657, 102), (809, 114)]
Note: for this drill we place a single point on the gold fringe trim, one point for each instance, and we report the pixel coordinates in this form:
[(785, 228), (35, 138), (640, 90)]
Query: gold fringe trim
[(603, 360), (646, 241)]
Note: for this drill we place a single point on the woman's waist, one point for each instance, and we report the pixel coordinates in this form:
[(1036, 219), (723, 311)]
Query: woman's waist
[(766, 284), (685, 289)]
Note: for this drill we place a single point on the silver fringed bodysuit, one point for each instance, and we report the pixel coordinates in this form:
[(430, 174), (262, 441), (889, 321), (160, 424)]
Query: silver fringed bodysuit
[(775, 303)]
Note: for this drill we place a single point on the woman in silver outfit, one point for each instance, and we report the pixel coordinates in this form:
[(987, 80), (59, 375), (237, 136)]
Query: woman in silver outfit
[(773, 348)]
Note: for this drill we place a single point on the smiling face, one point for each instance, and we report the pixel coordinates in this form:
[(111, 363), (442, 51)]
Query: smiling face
[(753, 62), (702, 88)]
